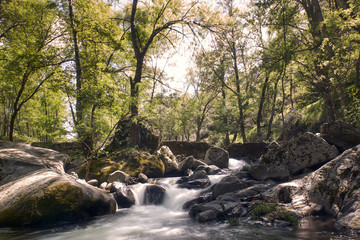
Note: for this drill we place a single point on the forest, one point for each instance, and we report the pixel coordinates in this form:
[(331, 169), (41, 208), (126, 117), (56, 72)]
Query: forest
[(260, 70)]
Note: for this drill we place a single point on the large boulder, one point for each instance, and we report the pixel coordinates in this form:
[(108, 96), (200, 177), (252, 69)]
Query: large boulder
[(340, 134), (19, 159), (134, 133), (195, 149), (131, 161), (217, 156), (336, 187), (47, 196), (169, 160), (293, 157), (249, 150)]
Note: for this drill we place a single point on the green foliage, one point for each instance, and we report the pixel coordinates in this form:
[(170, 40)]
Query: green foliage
[(263, 209), (272, 212)]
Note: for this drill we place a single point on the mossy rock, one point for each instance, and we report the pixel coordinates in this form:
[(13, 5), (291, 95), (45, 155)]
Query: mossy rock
[(131, 161), (47, 197)]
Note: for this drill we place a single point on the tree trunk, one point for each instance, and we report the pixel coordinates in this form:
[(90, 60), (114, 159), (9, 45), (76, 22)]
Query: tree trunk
[(238, 91), (225, 118), (79, 99), (272, 109), (261, 105)]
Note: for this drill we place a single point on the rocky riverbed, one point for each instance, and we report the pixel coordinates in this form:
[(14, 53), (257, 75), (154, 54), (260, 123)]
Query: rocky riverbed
[(303, 178)]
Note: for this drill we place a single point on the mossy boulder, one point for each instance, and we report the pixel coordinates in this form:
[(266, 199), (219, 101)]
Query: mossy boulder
[(47, 197), (130, 160)]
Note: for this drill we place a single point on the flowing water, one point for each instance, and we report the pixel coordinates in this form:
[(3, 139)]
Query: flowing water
[(169, 221)]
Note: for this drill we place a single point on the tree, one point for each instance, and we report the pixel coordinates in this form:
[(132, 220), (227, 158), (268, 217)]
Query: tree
[(30, 55)]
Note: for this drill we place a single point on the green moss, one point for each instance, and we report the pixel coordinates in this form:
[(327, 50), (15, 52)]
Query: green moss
[(130, 160), (263, 209), (288, 216), (56, 203), (273, 212)]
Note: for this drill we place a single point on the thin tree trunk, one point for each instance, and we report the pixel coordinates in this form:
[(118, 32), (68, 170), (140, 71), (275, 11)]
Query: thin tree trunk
[(79, 99), (261, 105), (239, 98), (272, 109)]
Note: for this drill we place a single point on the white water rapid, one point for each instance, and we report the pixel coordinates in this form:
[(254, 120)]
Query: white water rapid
[(164, 222)]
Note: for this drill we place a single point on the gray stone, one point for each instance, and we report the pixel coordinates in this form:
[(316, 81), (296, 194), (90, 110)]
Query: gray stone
[(168, 159), (124, 197), (186, 164), (198, 175), (230, 183), (197, 163), (103, 185), (47, 196), (336, 187), (93, 182), (196, 184), (295, 156), (19, 159), (118, 176), (143, 178), (340, 134), (217, 156)]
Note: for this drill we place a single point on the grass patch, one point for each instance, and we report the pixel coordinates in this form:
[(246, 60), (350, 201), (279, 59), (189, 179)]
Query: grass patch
[(263, 209)]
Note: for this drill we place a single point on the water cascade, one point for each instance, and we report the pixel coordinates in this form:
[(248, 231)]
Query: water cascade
[(161, 222)]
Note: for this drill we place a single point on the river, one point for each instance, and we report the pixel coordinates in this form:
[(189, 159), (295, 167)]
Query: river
[(168, 221)]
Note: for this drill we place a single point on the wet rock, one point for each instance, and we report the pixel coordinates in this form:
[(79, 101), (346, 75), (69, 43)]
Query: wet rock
[(46, 196), (197, 180), (114, 186), (207, 211), (124, 197), (118, 176), (154, 194), (196, 184), (143, 178), (217, 156), (230, 183), (93, 182), (168, 159), (281, 162), (198, 175), (216, 210), (197, 200), (340, 134), (212, 170), (19, 159)]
